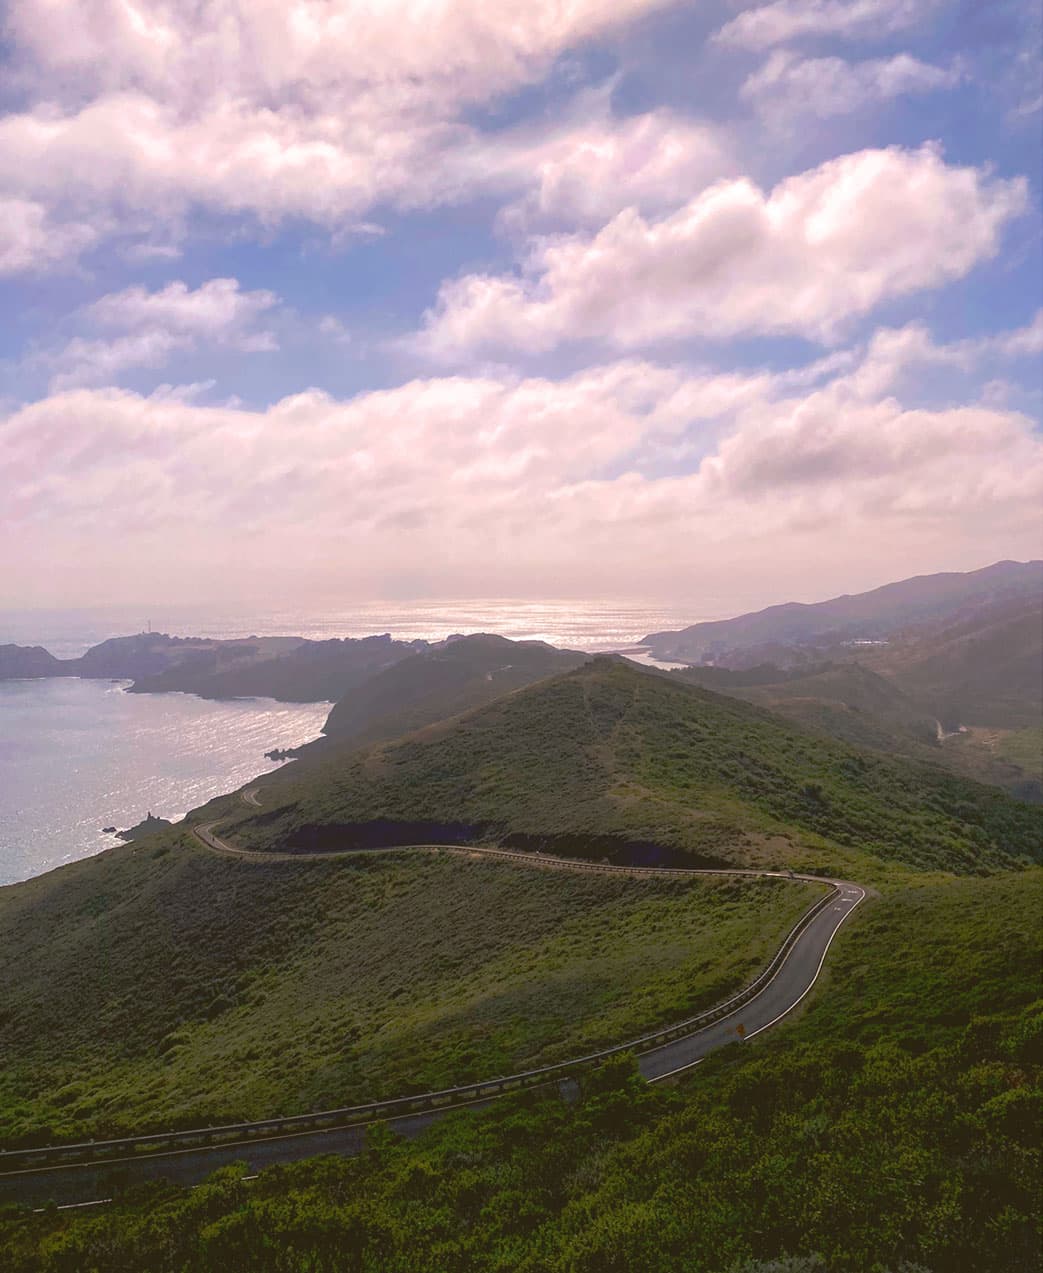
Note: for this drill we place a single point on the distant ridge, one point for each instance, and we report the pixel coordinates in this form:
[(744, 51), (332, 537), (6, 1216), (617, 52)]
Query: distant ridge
[(867, 616), (291, 669)]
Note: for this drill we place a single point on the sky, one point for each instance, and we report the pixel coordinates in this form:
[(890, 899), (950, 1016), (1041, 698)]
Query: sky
[(709, 301)]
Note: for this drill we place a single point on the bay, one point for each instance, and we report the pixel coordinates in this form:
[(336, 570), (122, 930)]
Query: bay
[(76, 756)]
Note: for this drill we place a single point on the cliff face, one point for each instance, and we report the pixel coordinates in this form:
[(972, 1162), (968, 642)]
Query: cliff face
[(310, 672), (18, 662), (290, 669)]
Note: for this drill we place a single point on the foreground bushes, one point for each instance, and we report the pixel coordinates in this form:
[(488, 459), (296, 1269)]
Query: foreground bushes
[(895, 1127)]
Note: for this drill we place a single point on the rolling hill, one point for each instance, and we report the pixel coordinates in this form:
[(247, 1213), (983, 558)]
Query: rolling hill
[(610, 760), (447, 679), (983, 670), (162, 984), (853, 703), (847, 700), (893, 1126)]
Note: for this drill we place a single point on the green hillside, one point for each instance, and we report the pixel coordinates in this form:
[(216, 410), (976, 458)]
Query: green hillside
[(1024, 747), (846, 700), (451, 678), (162, 984), (983, 671), (613, 761), (855, 704), (893, 1127)]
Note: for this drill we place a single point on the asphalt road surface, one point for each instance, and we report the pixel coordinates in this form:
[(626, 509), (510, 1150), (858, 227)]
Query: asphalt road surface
[(90, 1183)]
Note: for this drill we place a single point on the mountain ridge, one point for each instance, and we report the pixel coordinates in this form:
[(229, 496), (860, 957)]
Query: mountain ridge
[(867, 615)]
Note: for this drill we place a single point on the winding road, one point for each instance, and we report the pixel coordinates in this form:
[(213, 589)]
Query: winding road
[(79, 1175)]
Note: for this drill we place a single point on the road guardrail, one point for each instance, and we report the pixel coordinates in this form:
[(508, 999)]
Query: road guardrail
[(102, 1151)]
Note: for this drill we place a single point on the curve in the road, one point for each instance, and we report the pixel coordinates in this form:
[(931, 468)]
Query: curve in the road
[(69, 1174)]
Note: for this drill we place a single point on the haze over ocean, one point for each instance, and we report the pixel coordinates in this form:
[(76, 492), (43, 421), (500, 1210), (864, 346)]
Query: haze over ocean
[(579, 625)]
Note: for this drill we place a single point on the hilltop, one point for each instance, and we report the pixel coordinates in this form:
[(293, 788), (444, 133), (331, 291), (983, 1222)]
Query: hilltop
[(445, 680), (610, 760)]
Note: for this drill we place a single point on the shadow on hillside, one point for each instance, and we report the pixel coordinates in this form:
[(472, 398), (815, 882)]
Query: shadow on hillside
[(385, 834)]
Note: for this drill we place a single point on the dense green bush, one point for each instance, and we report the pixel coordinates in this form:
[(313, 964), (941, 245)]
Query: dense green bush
[(893, 1129)]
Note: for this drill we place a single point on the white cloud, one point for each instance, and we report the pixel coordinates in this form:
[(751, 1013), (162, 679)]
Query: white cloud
[(275, 109), (334, 330), (33, 241), (821, 248), (218, 308), (475, 483), (788, 86), (1026, 342), (271, 51), (784, 20), (595, 167), (129, 152), (156, 325), (894, 353)]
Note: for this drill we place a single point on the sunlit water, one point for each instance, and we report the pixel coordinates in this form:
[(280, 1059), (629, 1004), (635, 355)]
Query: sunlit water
[(583, 625), (76, 756)]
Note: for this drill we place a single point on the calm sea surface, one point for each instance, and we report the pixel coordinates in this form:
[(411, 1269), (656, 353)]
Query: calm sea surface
[(76, 756)]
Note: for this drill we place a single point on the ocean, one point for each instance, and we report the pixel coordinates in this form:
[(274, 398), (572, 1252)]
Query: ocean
[(76, 756), (576, 625)]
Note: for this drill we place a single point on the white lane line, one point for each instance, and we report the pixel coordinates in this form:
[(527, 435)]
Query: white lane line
[(262, 1140), (818, 970), (101, 1202), (692, 1064), (73, 1206)]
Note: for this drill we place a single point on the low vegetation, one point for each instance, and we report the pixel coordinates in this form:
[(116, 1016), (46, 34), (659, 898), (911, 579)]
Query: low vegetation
[(610, 760), (893, 1127), (1024, 748), (162, 985), (852, 703), (444, 681)]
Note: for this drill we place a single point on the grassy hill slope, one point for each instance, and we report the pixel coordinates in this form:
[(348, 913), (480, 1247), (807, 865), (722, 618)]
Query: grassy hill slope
[(161, 984), (982, 671), (450, 678), (611, 760), (855, 704), (846, 700), (892, 1127)]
